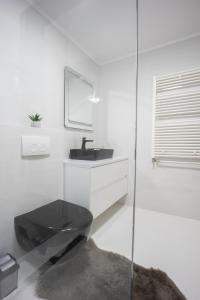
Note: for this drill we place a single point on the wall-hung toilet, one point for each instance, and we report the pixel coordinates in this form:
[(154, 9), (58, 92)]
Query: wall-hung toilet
[(53, 227)]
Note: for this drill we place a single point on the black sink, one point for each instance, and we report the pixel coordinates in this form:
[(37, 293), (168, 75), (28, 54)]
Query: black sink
[(91, 154)]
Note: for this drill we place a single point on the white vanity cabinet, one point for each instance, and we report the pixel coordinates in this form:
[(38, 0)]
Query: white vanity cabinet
[(95, 185)]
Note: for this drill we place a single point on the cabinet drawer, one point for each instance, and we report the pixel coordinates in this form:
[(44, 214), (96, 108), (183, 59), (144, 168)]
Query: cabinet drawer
[(108, 174), (104, 198)]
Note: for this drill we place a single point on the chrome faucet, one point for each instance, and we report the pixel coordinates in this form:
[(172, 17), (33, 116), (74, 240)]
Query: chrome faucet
[(84, 141)]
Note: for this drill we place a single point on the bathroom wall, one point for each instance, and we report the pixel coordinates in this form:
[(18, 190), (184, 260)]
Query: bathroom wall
[(117, 85), (33, 56), (170, 190)]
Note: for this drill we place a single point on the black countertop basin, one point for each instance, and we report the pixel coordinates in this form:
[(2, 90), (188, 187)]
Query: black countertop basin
[(91, 154)]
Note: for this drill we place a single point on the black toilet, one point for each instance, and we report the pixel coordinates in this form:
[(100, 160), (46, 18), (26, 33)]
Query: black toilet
[(53, 228)]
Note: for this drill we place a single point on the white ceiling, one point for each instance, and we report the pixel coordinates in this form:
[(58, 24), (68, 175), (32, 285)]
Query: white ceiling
[(106, 29)]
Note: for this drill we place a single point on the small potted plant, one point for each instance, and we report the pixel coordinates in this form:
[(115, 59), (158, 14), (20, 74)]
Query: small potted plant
[(36, 120)]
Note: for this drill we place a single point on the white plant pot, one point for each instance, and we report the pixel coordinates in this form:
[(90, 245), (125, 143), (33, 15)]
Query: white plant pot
[(36, 124)]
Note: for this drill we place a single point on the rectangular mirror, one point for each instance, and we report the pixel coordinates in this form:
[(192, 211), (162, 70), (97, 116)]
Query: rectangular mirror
[(78, 106)]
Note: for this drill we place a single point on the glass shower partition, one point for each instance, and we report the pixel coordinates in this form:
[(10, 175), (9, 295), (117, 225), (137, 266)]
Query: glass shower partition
[(68, 223)]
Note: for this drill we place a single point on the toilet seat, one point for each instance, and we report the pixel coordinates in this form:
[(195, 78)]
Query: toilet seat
[(58, 222)]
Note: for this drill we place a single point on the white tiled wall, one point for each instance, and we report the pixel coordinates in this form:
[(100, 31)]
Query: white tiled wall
[(169, 190), (33, 55)]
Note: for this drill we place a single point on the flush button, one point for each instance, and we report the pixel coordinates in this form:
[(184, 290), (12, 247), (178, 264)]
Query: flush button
[(35, 145)]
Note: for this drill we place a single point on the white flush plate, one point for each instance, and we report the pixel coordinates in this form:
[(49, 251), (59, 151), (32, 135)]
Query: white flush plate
[(35, 145)]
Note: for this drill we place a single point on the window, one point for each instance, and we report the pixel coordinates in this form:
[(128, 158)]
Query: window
[(176, 130)]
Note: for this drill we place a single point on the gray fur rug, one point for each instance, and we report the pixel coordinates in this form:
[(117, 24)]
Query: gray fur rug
[(94, 274)]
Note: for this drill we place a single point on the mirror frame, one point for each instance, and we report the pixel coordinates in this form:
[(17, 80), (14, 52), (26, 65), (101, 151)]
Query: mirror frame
[(67, 122)]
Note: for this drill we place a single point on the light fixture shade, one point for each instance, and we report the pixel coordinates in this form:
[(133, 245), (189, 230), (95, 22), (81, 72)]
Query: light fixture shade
[(94, 99)]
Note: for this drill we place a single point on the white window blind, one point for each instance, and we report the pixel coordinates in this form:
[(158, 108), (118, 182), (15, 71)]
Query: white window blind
[(176, 130)]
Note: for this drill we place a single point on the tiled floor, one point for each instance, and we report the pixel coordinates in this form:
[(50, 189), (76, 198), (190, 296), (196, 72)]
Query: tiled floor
[(161, 241), (171, 244)]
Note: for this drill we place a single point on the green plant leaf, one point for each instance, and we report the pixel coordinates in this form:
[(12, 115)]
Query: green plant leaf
[(35, 117)]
